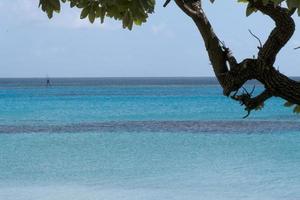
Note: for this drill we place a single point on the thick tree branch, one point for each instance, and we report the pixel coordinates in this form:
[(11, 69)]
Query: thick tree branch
[(281, 34), (217, 55), (185, 8), (261, 69)]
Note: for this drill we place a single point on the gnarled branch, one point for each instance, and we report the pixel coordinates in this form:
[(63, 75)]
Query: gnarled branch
[(233, 78), (281, 34), (215, 51)]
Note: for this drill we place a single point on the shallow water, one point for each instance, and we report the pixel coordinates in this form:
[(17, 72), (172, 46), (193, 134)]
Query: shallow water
[(179, 140)]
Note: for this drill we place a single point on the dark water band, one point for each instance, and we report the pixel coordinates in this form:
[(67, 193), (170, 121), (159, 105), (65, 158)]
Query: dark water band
[(159, 126)]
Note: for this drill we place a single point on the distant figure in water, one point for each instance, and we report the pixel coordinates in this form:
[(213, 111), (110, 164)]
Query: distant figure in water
[(48, 82)]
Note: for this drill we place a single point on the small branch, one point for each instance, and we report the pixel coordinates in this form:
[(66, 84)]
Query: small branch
[(260, 43), (297, 48), (166, 3)]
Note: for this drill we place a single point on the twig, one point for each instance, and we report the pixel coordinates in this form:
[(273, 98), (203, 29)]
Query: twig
[(260, 43), (166, 3), (253, 89)]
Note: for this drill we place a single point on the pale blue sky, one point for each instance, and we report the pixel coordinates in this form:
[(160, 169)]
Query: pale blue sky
[(168, 45)]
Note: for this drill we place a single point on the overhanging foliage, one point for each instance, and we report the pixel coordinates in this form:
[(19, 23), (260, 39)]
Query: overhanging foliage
[(128, 11), (132, 11)]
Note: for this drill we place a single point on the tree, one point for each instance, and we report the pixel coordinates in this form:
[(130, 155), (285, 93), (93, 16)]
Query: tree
[(231, 74)]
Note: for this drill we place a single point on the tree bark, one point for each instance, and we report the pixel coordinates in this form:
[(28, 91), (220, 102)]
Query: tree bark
[(233, 75)]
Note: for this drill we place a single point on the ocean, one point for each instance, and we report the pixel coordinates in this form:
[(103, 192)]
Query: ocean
[(143, 139)]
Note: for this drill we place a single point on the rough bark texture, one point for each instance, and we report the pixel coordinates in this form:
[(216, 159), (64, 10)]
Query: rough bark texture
[(233, 75)]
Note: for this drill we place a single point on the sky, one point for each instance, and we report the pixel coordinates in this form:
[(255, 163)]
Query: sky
[(168, 45)]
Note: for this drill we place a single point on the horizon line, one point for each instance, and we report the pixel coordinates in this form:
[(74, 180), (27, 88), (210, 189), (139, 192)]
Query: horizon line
[(87, 77)]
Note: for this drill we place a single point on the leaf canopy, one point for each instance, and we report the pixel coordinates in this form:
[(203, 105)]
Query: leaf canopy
[(131, 11), (128, 11)]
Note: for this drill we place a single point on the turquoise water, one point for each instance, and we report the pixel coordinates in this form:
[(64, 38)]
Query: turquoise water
[(143, 139)]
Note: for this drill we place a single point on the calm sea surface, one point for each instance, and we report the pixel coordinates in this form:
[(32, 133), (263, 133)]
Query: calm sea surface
[(143, 139)]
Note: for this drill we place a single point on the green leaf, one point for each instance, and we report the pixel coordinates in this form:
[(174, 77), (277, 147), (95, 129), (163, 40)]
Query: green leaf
[(55, 4), (84, 12), (92, 15)]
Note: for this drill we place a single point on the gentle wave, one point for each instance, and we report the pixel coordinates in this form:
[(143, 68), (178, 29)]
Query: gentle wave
[(247, 127)]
